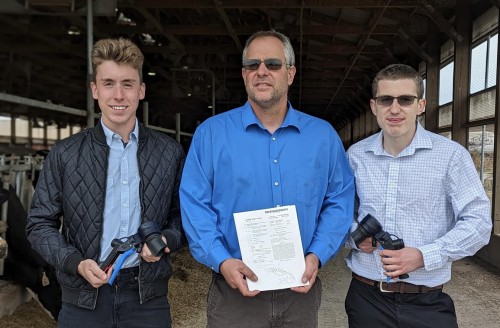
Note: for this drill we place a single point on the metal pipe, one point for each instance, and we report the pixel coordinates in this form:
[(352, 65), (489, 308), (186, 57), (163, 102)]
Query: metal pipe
[(178, 127), (205, 71), (145, 118), (90, 43), (145, 113), (40, 104)]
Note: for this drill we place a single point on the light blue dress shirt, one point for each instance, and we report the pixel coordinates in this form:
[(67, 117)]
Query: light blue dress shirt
[(234, 165), (122, 208), (429, 195)]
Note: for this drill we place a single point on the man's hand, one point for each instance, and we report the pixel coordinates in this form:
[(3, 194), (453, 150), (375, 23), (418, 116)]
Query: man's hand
[(366, 246), (91, 272), (398, 262), (148, 256), (310, 274), (235, 272)]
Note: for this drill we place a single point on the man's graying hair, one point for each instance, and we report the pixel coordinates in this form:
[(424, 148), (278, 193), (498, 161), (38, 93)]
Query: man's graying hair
[(399, 72), (121, 51), (289, 54)]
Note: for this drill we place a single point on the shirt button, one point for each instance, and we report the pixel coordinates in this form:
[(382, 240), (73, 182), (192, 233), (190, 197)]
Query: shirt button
[(124, 181), (276, 183), (274, 138), (275, 161), (125, 205)]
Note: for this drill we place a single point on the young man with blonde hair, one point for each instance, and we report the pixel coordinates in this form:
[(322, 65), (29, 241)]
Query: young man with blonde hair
[(103, 184)]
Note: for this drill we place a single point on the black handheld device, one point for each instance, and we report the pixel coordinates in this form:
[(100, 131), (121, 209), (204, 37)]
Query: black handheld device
[(371, 227)]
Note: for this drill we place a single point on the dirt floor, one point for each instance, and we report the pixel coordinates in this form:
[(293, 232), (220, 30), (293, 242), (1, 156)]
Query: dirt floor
[(475, 288), (187, 297)]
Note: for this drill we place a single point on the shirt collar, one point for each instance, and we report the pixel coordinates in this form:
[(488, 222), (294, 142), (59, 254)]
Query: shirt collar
[(249, 118), (421, 140), (134, 135)]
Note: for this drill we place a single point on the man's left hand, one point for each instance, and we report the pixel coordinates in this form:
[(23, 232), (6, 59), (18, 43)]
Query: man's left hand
[(148, 256), (312, 268)]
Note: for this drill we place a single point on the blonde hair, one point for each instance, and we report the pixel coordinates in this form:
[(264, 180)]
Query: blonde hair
[(121, 51)]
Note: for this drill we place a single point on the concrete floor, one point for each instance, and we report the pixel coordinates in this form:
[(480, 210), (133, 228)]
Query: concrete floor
[(475, 289)]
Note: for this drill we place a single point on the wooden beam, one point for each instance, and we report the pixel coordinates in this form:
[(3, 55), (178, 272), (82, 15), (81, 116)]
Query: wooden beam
[(442, 23), (461, 78)]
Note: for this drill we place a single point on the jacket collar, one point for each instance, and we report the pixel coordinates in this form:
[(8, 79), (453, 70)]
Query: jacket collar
[(101, 136)]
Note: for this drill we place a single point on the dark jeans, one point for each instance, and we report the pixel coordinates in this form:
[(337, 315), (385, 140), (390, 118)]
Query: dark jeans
[(118, 306), (368, 307), (227, 308)]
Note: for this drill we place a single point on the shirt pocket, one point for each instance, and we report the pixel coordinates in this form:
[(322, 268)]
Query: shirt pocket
[(308, 185)]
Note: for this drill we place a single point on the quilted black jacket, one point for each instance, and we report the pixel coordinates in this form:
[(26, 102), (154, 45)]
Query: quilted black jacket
[(71, 189)]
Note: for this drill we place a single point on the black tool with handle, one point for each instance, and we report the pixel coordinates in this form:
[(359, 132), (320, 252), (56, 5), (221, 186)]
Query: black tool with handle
[(371, 227)]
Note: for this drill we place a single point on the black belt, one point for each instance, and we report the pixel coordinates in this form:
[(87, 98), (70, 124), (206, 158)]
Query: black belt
[(396, 287)]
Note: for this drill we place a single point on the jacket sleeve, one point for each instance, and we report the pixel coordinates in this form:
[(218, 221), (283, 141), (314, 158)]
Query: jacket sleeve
[(44, 218)]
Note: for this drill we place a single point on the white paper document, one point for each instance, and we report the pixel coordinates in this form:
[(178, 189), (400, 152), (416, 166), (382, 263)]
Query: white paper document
[(271, 246)]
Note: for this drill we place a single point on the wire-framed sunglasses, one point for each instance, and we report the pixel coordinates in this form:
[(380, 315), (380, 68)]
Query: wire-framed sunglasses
[(404, 100), (272, 64)]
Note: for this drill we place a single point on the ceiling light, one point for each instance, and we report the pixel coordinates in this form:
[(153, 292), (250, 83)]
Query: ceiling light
[(122, 20), (36, 124), (147, 39), (151, 73), (73, 30)]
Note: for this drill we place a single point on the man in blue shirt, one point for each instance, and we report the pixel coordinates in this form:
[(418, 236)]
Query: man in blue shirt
[(422, 188), (265, 154)]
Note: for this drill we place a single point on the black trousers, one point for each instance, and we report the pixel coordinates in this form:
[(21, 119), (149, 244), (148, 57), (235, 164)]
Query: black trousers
[(367, 307)]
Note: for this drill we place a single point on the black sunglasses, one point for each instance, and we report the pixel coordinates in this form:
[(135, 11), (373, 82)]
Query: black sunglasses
[(272, 64), (386, 101)]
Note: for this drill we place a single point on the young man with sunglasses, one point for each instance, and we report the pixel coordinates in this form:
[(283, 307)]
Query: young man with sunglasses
[(262, 155), (422, 188)]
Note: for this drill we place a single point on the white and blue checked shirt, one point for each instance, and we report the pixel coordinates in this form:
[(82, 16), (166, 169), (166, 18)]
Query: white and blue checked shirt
[(429, 195)]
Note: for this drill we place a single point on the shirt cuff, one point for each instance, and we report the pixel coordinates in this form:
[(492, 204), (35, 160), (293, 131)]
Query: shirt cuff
[(432, 256), (218, 255), (322, 256)]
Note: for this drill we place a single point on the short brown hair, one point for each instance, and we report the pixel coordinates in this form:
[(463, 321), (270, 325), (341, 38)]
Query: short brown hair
[(121, 51), (399, 72)]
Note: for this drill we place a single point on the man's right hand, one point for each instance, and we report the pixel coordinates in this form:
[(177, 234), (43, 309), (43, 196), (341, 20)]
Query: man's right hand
[(235, 272), (91, 272), (366, 245)]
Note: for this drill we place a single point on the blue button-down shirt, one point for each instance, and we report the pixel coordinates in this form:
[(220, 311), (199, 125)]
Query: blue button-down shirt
[(122, 209), (429, 195), (234, 164)]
